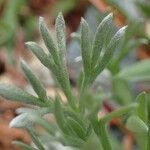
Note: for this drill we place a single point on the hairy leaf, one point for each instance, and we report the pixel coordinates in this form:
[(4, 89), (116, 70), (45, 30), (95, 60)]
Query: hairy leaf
[(100, 35), (108, 53), (35, 82), (85, 46), (41, 55), (48, 40), (24, 120), (16, 94), (60, 35)]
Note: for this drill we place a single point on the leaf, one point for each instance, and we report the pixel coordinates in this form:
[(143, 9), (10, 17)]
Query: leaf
[(35, 82), (24, 120), (16, 94), (137, 72), (108, 53), (23, 145), (48, 40), (136, 125), (89, 130), (142, 110), (122, 91), (41, 55), (58, 112), (28, 119), (73, 141), (62, 75), (119, 112), (75, 116), (35, 139), (76, 127), (85, 46), (100, 37), (60, 35), (41, 111)]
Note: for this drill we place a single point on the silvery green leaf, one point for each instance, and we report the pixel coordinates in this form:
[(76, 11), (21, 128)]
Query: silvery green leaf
[(108, 53), (142, 110), (16, 94), (23, 145), (48, 40), (139, 71), (60, 35), (136, 125), (24, 120), (85, 46), (39, 111), (27, 119), (102, 31), (40, 54), (35, 82)]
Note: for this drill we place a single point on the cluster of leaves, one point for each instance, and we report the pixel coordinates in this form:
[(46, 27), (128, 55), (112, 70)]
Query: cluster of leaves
[(76, 123)]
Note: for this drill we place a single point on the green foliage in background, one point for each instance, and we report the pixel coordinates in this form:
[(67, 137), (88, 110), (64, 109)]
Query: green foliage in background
[(77, 123)]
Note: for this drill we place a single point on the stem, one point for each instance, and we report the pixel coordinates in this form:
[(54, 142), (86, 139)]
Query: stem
[(119, 112), (104, 137)]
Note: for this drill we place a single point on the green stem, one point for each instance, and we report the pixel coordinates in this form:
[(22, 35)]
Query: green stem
[(120, 112), (104, 137)]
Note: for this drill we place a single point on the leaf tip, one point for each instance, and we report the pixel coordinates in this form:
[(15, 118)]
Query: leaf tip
[(41, 19), (110, 16)]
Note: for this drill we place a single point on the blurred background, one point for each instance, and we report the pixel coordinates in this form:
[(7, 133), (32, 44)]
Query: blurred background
[(19, 24)]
